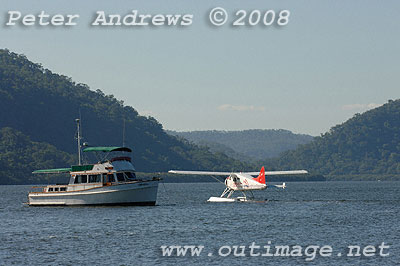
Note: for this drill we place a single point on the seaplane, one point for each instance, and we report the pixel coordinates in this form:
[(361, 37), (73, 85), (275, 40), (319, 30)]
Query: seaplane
[(243, 182)]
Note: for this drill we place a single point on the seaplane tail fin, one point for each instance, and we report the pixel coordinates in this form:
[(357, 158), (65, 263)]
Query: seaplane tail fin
[(261, 176)]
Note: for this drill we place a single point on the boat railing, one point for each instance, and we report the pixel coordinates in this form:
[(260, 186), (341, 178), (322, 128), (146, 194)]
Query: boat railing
[(84, 186), (38, 189), (65, 188)]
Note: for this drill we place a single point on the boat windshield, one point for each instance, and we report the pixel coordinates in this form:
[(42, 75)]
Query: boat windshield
[(130, 175), (120, 177), (126, 176)]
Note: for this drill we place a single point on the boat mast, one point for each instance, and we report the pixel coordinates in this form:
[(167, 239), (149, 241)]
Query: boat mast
[(123, 135), (79, 140)]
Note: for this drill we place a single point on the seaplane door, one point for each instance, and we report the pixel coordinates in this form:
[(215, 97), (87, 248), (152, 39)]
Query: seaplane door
[(233, 181)]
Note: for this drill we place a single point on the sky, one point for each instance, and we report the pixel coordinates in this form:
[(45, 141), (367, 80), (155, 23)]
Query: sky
[(333, 59)]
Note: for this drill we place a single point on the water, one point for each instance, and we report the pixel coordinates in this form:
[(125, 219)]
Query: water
[(322, 213)]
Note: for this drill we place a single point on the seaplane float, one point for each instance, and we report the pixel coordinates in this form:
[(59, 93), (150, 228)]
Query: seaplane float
[(110, 181), (241, 182)]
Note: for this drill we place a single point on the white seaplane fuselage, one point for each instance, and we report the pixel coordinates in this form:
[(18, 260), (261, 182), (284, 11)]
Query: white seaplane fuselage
[(106, 183), (238, 182), (242, 181)]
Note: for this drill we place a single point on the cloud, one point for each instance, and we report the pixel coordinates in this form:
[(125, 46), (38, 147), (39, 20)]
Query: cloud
[(240, 108), (360, 106)]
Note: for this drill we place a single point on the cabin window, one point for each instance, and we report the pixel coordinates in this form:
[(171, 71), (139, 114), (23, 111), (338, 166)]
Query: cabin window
[(130, 175), (50, 189), (110, 178), (120, 177), (80, 179), (56, 189), (94, 178), (63, 189)]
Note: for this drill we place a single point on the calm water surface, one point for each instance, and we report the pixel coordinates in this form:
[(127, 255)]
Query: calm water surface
[(322, 213)]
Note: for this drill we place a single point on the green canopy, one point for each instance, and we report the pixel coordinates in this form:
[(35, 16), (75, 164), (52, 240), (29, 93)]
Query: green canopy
[(52, 171), (107, 149)]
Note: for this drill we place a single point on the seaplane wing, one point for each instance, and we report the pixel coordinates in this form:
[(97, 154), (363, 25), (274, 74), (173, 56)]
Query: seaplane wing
[(241, 181), (293, 172), (198, 172)]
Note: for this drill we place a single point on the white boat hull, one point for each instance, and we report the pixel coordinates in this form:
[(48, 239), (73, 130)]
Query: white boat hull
[(139, 193)]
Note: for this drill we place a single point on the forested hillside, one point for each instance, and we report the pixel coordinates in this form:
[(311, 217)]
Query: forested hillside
[(247, 144), (368, 143), (43, 105), (37, 128), (19, 155)]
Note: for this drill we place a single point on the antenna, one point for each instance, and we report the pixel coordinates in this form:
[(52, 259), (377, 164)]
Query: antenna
[(79, 140)]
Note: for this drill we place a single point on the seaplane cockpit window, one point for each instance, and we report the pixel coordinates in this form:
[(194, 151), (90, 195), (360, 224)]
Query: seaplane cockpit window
[(94, 178), (130, 175), (120, 177)]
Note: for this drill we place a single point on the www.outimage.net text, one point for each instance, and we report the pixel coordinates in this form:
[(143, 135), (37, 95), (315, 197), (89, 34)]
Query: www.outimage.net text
[(254, 250)]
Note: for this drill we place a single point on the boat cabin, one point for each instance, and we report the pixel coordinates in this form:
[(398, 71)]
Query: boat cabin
[(107, 172)]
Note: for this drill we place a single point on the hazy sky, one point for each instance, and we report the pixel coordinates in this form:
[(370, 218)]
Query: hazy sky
[(332, 60)]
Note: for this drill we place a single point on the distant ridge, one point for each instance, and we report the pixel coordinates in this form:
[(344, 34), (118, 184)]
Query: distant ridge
[(366, 144), (247, 144)]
